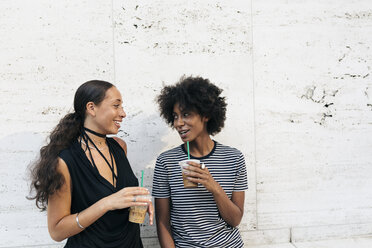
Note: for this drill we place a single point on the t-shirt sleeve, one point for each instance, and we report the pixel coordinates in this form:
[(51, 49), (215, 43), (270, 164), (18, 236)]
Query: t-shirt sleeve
[(241, 183), (160, 184)]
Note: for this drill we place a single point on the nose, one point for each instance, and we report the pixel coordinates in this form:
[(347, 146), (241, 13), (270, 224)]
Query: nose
[(122, 113), (178, 122)]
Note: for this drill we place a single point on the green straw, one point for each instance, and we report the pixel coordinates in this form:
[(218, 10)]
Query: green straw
[(188, 150), (142, 178)]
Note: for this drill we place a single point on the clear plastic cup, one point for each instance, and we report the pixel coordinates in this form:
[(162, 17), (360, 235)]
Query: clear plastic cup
[(137, 214), (186, 182)]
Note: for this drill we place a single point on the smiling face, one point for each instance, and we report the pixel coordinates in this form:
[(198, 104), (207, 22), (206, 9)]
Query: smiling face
[(107, 115), (189, 124)]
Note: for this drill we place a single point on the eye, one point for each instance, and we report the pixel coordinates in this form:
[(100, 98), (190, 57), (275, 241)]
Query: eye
[(116, 105), (186, 114), (175, 117)]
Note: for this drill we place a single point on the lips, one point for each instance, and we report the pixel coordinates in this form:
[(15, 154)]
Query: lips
[(183, 133), (117, 124)]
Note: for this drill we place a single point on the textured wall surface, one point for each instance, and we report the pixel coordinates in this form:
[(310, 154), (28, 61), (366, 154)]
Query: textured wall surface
[(296, 75)]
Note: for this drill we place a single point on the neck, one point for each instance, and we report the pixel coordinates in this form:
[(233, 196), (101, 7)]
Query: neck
[(201, 146), (94, 132), (96, 137), (97, 140)]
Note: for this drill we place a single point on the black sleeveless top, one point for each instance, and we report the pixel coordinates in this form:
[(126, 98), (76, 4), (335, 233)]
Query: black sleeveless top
[(113, 229)]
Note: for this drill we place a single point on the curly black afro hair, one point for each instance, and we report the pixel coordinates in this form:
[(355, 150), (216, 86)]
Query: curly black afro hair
[(194, 94)]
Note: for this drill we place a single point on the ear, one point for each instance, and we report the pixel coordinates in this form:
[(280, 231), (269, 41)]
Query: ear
[(90, 109), (205, 119)]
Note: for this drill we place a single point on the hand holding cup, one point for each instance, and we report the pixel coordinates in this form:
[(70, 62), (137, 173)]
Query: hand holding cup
[(199, 173), (126, 197), (131, 197), (137, 214)]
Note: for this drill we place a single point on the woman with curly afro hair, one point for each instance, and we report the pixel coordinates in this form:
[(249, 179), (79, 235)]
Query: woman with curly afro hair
[(206, 210)]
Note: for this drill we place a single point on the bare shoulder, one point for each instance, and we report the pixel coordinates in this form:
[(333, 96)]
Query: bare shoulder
[(63, 169), (122, 144)]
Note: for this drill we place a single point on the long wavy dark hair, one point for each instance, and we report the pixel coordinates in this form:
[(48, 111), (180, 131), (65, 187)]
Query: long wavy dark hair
[(45, 179)]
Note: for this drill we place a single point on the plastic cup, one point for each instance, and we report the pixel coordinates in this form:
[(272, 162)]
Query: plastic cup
[(184, 165), (137, 214)]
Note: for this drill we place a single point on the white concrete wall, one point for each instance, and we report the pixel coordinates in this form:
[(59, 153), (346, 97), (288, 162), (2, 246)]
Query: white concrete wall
[(297, 77)]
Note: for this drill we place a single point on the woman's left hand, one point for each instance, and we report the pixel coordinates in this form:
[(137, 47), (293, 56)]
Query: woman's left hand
[(203, 176), (150, 211)]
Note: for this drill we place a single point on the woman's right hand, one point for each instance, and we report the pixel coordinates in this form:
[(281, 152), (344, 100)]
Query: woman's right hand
[(127, 197)]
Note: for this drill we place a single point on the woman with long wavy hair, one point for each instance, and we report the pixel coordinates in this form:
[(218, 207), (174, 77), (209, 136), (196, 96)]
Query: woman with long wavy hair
[(83, 178)]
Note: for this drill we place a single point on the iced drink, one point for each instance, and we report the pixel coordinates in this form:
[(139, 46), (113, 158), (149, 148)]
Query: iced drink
[(186, 182), (137, 214)]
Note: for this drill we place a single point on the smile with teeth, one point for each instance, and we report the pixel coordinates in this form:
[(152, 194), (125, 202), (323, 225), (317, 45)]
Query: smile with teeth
[(183, 132), (117, 123)]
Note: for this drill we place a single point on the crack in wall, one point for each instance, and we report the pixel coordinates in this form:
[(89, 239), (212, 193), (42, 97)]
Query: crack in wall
[(345, 54), (319, 96)]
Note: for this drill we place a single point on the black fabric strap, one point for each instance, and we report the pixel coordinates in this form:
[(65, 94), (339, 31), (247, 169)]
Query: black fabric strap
[(95, 133), (111, 166)]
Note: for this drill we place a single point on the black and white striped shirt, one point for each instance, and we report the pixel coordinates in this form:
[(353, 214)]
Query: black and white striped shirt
[(195, 219)]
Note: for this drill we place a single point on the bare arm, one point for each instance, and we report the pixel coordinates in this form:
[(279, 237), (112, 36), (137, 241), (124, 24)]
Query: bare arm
[(162, 213), (231, 210), (62, 223)]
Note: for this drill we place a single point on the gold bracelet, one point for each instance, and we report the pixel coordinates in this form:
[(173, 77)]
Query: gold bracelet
[(77, 221)]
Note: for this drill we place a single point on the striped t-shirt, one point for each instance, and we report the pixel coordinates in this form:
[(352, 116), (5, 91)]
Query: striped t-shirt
[(194, 216)]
